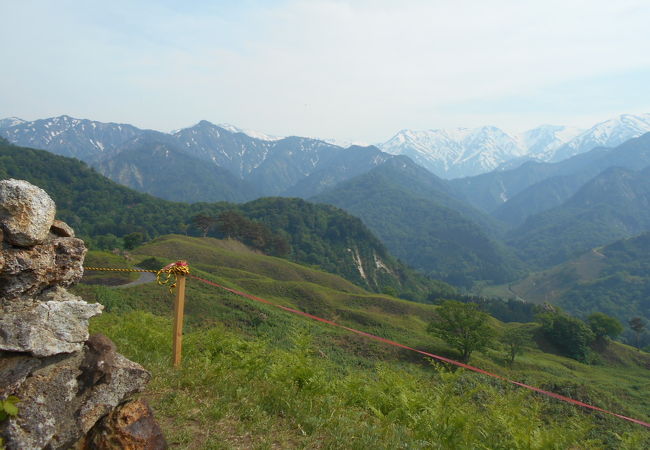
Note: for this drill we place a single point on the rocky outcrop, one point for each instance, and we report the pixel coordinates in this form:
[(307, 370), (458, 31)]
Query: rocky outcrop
[(26, 213), (66, 381), (53, 322), (26, 271)]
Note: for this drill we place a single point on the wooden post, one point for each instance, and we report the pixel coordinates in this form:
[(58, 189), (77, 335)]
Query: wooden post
[(179, 306)]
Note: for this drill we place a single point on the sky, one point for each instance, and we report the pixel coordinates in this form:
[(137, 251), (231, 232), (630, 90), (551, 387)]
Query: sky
[(350, 70)]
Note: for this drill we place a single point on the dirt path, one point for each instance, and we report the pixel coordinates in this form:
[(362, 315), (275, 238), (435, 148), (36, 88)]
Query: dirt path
[(145, 277)]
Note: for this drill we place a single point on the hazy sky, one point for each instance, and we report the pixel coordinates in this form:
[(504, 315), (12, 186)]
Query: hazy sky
[(358, 70)]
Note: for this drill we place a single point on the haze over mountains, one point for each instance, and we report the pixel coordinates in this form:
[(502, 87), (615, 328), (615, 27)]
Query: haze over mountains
[(262, 166), (489, 227), (461, 152), (448, 153)]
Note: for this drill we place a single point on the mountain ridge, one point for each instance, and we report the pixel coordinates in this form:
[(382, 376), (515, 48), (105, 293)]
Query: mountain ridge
[(461, 152), (420, 221)]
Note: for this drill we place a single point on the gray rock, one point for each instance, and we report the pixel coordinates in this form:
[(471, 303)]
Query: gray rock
[(57, 409), (126, 378), (47, 397), (65, 381), (27, 271), (26, 212), (56, 322), (14, 369), (61, 229)]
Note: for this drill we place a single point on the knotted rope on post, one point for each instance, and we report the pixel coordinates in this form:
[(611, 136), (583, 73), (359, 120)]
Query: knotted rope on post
[(169, 274)]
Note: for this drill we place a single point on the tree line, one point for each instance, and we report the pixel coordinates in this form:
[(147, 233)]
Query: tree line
[(467, 329)]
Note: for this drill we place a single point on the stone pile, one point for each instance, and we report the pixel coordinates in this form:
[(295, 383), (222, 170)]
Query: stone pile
[(65, 380)]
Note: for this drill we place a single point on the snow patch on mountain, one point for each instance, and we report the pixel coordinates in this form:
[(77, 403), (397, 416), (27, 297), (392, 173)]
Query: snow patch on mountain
[(610, 133), (461, 152), (543, 141), (251, 133), (456, 152), (10, 122)]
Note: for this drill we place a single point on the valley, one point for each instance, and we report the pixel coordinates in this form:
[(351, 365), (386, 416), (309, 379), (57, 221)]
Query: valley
[(375, 242)]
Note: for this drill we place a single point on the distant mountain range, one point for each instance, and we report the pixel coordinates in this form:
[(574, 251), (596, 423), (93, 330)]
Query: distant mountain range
[(448, 153), (512, 195), (247, 167), (489, 227), (463, 152)]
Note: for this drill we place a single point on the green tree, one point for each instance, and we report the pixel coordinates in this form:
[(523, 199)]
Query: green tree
[(515, 340), (107, 242), (280, 246), (570, 335), (638, 325), (462, 326), (132, 240), (603, 325), (204, 223), (231, 224)]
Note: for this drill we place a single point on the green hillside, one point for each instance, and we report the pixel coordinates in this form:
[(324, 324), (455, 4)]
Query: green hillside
[(255, 376), (614, 279), (420, 222), (319, 235), (611, 206)]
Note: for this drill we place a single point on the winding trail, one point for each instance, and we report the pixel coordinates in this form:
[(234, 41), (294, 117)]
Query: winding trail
[(145, 277)]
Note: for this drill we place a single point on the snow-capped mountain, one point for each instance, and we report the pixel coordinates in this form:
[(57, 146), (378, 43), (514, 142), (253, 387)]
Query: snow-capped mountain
[(10, 122), (270, 165), (610, 133), (456, 152), (462, 152), (251, 133), (543, 141), (448, 153), (344, 142), (67, 136), (232, 150)]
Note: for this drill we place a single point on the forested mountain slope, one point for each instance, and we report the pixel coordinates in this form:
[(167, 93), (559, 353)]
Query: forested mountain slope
[(105, 212), (157, 167), (633, 154), (496, 192), (419, 220), (611, 206), (614, 279)]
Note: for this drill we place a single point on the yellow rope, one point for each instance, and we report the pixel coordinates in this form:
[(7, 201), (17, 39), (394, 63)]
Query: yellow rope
[(165, 276), (110, 269)]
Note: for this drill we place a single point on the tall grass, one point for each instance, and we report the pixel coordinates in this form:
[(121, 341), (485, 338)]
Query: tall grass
[(237, 392)]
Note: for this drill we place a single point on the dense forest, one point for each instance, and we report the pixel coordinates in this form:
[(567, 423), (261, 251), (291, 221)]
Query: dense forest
[(611, 206), (423, 224), (108, 215)]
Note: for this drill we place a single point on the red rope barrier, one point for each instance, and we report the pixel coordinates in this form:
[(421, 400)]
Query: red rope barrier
[(431, 355)]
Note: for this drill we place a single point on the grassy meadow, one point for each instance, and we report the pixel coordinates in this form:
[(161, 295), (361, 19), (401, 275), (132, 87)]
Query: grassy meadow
[(255, 376)]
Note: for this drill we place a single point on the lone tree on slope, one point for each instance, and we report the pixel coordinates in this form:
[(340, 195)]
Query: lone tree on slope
[(603, 325), (515, 339), (462, 326)]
